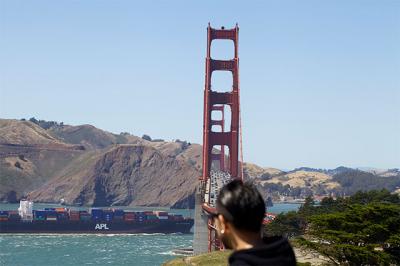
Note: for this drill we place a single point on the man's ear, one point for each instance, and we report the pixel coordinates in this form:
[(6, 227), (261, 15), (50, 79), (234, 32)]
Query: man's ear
[(225, 225)]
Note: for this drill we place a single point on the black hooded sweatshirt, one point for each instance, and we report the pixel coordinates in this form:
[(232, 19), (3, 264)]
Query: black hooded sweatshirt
[(275, 251)]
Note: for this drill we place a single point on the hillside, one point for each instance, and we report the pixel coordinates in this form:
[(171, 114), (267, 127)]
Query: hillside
[(29, 156), (254, 171), (122, 175), (91, 137), (24, 133), (85, 165), (303, 179), (342, 181)]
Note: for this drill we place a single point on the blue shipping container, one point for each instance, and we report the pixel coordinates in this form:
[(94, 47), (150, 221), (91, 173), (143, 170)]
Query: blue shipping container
[(39, 213)]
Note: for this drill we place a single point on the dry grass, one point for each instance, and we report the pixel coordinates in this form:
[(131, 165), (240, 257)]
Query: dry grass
[(303, 179), (23, 132), (254, 171), (217, 258)]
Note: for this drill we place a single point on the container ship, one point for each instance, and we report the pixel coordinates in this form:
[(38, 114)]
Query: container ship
[(95, 220)]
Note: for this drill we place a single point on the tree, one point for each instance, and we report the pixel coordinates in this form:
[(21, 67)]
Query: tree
[(269, 202), (18, 165), (33, 120), (363, 197), (308, 207), (265, 176), (360, 235), (288, 224), (146, 137), (363, 229)]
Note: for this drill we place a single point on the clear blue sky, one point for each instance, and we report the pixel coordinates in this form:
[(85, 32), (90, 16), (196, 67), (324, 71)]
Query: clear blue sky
[(320, 80)]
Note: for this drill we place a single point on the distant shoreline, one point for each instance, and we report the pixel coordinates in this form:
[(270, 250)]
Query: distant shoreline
[(290, 202)]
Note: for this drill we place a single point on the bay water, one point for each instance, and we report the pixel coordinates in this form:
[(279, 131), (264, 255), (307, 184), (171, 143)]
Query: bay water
[(89, 249)]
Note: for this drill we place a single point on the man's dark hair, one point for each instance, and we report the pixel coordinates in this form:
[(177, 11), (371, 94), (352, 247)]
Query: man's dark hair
[(242, 205)]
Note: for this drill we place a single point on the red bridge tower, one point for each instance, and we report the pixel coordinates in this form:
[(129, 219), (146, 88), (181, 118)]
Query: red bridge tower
[(205, 238), (216, 100)]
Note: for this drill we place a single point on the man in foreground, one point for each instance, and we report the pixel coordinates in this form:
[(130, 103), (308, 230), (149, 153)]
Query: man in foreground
[(239, 217)]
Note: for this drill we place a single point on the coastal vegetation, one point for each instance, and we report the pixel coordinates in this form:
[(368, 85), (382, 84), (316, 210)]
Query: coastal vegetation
[(363, 229)]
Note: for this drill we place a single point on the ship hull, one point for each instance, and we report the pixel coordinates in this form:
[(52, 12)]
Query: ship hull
[(96, 227)]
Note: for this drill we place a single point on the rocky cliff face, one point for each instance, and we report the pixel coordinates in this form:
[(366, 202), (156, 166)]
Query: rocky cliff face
[(124, 175)]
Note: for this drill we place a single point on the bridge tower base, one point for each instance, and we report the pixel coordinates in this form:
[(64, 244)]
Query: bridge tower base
[(200, 238)]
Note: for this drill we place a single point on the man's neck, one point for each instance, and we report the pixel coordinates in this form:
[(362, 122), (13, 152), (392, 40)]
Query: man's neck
[(247, 240)]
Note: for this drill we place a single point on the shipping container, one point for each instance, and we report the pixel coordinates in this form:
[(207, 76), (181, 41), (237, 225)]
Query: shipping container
[(108, 216), (129, 216), (118, 212), (178, 217), (62, 215), (151, 217), (73, 213), (39, 213), (97, 214)]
